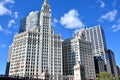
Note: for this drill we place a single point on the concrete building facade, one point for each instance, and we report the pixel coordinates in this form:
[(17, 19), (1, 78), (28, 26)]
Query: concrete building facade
[(96, 36), (75, 50), (36, 48)]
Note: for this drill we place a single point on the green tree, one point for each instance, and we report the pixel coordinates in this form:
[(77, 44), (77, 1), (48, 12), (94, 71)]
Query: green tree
[(105, 76), (118, 77)]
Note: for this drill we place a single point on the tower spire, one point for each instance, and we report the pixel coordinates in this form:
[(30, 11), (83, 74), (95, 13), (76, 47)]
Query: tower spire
[(46, 6), (45, 1)]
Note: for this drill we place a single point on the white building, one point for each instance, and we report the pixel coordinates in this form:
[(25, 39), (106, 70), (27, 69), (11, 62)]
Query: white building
[(36, 48), (96, 36), (75, 50)]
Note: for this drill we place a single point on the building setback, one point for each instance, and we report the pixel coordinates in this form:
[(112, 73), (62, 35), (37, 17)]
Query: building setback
[(75, 50), (36, 48)]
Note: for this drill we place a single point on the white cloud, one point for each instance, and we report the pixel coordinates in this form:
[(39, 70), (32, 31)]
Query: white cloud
[(9, 1), (54, 22), (116, 27), (3, 9), (71, 20), (2, 46), (102, 4), (7, 31), (110, 16), (1, 29), (16, 14), (11, 22)]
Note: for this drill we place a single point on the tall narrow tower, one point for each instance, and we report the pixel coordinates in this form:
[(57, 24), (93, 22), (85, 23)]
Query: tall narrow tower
[(36, 48), (45, 30)]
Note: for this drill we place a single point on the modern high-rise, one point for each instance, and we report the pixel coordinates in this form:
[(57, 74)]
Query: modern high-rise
[(118, 70), (99, 64), (76, 50), (95, 35), (8, 61), (112, 62), (36, 49)]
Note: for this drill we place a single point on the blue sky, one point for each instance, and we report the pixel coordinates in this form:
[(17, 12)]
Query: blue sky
[(67, 17)]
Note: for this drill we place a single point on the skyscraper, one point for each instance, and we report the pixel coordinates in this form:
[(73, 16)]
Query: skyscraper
[(111, 61), (95, 35), (36, 48), (99, 64), (76, 50), (8, 61), (118, 70)]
